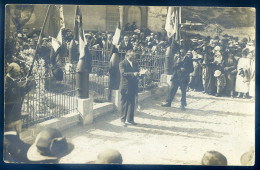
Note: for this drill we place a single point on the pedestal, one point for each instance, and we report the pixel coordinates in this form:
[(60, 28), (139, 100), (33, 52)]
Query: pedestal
[(116, 99), (85, 108), (165, 79)]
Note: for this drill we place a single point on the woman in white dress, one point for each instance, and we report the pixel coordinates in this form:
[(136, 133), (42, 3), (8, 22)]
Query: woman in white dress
[(242, 78)]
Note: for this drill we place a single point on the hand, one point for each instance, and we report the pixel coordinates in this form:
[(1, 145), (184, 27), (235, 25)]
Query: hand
[(136, 74), (182, 69), (225, 69)]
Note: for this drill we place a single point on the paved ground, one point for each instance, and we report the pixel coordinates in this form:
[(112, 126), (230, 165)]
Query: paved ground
[(169, 135)]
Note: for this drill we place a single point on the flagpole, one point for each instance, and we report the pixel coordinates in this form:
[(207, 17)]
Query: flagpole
[(39, 41)]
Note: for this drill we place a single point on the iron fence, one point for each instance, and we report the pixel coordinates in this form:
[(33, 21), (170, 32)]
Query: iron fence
[(154, 63), (49, 98), (99, 77)]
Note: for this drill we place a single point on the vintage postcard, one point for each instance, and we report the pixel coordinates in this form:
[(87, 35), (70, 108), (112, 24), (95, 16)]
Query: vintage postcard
[(105, 84)]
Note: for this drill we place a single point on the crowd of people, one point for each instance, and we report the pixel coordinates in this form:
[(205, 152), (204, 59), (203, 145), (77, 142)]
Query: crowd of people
[(222, 65)]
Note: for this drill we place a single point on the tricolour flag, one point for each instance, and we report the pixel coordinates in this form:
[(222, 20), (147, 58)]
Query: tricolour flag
[(117, 34), (54, 25), (79, 32), (169, 27), (173, 22)]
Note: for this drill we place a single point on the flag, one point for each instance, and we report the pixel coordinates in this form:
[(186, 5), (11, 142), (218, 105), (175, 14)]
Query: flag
[(173, 22), (54, 25), (169, 27), (79, 34), (117, 34)]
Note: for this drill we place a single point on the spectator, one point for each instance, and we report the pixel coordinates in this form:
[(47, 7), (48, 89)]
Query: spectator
[(109, 156), (230, 66), (126, 44), (214, 158), (14, 94), (242, 77), (248, 158), (220, 82)]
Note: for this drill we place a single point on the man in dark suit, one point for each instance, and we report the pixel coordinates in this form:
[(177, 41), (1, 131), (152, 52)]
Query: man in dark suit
[(14, 92), (128, 87), (182, 67), (126, 44)]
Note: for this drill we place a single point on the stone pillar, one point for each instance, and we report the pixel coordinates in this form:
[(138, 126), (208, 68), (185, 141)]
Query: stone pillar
[(85, 108), (165, 79), (116, 99), (121, 14)]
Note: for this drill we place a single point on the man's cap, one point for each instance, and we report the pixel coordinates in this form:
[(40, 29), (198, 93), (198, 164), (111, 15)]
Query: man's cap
[(214, 158), (49, 145), (109, 156)]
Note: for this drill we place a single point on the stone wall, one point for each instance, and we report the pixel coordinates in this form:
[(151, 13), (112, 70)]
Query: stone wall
[(98, 17), (94, 17), (112, 17), (156, 18)]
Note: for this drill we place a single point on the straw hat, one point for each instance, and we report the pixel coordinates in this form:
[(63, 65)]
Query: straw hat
[(217, 73)]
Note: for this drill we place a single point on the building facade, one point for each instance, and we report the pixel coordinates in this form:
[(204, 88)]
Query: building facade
[(104, 17)]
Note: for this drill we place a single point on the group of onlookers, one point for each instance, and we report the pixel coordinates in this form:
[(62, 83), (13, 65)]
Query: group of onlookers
[(224, 66)]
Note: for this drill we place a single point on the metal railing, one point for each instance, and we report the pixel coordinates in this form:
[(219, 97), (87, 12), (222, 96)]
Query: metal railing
[(49, 98)]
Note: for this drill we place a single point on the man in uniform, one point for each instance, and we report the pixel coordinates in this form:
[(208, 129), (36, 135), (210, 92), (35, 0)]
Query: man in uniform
[(182, 67)]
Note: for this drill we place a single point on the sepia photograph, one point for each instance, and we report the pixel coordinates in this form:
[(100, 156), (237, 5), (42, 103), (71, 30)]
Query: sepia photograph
[(146, 85)]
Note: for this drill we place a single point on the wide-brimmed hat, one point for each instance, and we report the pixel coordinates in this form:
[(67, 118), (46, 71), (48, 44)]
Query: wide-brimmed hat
[(217, 73), (49, 145)]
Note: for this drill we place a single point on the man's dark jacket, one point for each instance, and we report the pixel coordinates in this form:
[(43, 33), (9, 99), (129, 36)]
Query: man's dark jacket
[(182, 67), (128, 82)]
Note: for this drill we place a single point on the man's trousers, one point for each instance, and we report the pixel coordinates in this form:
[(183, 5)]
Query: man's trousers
[(174, 87), (127, 107)]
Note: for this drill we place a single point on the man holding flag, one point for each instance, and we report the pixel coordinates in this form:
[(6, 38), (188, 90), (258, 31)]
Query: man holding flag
[(182, 65)]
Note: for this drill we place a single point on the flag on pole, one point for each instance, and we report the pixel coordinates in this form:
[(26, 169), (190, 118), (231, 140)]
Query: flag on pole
[(54, 25), (173, 22), (169, 27), (117, 34), (79, 34)]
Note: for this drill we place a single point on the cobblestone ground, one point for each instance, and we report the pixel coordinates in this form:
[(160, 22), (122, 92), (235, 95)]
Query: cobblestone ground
[(169, 135)]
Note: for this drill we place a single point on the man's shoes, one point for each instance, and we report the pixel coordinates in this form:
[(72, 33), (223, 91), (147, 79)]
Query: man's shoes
[(123, 124), (183, 108), (166, 105), (132, 123)]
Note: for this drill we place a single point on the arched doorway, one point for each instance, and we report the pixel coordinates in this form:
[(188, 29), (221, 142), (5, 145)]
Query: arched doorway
[(134, 15)]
